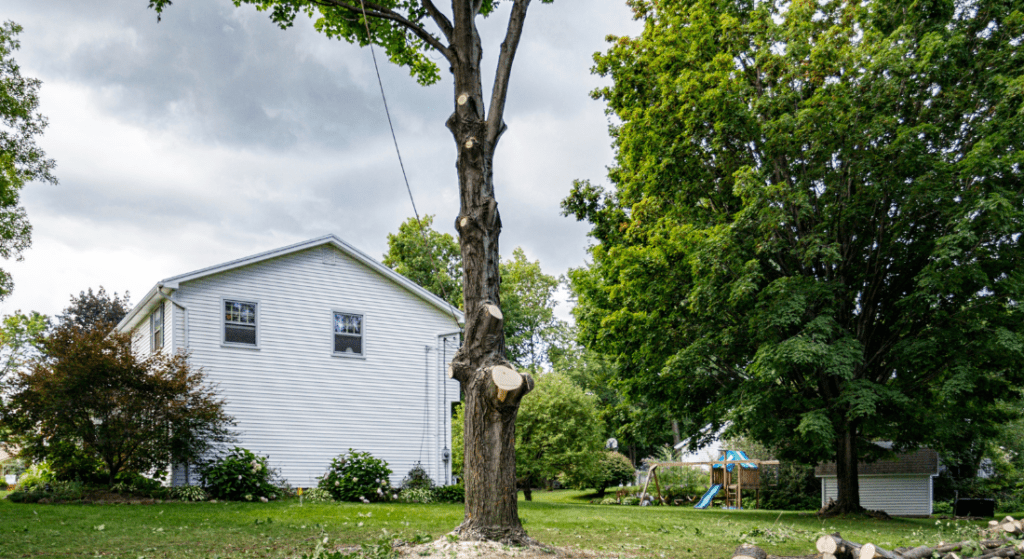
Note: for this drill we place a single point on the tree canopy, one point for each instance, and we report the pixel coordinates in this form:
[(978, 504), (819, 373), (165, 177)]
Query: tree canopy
[(94, 310), (428, 257), (558, 431), (815, 230), (21, 160)]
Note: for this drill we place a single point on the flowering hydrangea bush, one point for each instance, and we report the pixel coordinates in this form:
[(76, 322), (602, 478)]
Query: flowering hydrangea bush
[(357, 476), (238, 475)]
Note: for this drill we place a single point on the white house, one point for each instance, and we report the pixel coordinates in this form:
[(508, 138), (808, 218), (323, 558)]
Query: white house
[(316, 348), (901, 486)]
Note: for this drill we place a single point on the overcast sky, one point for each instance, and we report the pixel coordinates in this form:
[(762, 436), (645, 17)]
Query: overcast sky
[(213, 135)]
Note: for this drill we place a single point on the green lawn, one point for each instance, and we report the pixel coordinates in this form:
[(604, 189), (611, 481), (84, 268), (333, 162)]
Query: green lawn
[(562, 518)]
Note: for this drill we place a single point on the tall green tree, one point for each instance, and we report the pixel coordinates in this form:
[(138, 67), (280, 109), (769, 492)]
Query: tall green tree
[(528, 302), (558, 432), (411, 32), (815, 230), (21, 336), (21, 160), (427, 257)]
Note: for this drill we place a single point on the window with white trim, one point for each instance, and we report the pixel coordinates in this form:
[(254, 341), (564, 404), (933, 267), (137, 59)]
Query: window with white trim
[(239, 322), (348, 333), (156, 327)]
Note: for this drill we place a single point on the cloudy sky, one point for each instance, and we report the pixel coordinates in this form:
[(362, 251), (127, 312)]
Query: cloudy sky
[(213, 135)]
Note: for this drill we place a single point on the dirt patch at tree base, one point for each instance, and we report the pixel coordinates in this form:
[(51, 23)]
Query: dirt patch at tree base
[(443, 549)]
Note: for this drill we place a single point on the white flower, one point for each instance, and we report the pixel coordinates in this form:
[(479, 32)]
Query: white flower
[(239, 476), (336, 482), (263, 499), (248, 497), (394, 496), (355, 479), (380, 491)]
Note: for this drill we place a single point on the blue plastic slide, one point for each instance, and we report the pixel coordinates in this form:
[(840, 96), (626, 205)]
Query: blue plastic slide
[(706, 499)]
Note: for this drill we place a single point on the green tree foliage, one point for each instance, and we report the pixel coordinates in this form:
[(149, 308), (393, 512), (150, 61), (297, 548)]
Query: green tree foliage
[(21, 160), (91, 400), (611, 469), (431, 259), (558, 432), (815, 227), (458, 441), (528, 303), (94, 310), (527, 293), (639, 424), (239, 475), (20, 339)]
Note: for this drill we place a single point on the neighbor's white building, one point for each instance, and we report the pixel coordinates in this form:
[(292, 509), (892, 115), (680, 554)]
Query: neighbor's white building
[(316, 348), (901, 485)]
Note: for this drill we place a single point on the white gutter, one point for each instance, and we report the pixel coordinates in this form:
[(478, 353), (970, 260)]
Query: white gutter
[(168, 293)]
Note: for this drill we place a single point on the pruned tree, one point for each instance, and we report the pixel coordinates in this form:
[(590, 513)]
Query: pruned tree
[(408, 30)]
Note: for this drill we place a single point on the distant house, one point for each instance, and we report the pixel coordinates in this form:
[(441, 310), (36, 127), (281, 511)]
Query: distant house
[(316, 348), (901, 486)]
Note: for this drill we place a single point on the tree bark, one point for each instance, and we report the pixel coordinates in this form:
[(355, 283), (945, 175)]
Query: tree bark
[(847, 483), (492, 387)]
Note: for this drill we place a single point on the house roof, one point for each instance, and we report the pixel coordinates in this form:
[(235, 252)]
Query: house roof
[(163, 287), (923, 461)]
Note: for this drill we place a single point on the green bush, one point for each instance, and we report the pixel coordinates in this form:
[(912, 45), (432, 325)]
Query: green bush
[(317, 495), (450, 494), (36, 477), (609, 501), (416, 495), (790, 487), (27, 496), (417, 478), (632, 501), (942, 507), (357, 476), (239, 475), (190, 493), (137, 484)]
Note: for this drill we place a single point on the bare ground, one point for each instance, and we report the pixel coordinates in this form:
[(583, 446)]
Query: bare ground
[(443, 549)]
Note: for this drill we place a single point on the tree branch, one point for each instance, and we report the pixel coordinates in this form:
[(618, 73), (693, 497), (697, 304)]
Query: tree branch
[(495, 122), (381, 12), (440, 19)]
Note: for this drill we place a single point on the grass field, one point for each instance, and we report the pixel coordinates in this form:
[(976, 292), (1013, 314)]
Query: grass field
[(286, 529)]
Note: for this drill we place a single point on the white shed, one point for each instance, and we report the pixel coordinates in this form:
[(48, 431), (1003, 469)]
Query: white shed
[(316, 348), (901, 486)]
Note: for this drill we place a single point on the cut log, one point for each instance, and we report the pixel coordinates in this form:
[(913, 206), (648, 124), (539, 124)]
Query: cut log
[(872, 551), (506, 379), (993, 523), (747, 551), (919, 552), (994, 543), (946, 548), (1000, 552), (1010, 528), (951, 555), (836, 546), (1007, 519)]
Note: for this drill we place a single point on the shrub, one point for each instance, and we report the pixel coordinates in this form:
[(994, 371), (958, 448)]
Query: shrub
[(631, 500), (609, 501), (317, 495), (612, 469), (36, 477), (416, 495), (239, 475), (417, 478), (190, 493), (942, 507), (357, 476), (450, 494), (790, 487)]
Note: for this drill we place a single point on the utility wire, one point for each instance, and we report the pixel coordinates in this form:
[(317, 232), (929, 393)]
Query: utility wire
[(394, 138)]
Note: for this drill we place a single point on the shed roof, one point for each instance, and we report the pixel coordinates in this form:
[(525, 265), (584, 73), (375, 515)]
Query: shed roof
[(923, 461)]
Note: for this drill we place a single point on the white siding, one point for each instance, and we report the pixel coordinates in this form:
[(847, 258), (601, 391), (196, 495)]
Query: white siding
[(142, 339), (896, 495), (297, 402)]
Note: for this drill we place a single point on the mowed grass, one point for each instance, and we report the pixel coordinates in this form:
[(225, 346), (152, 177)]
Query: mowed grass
[(286, 529)]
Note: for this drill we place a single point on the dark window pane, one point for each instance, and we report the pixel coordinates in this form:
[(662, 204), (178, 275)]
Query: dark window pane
[(348, 344), (240, 334)]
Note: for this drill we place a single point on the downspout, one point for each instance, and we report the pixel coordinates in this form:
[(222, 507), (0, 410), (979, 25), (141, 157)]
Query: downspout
[(167, 293)]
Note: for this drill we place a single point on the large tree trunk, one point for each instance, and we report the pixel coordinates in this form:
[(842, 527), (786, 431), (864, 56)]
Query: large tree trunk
[(492, 387), (847, 483)]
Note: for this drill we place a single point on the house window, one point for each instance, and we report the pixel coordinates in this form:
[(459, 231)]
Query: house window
[(348, 333), (156, 327), (239, 323)]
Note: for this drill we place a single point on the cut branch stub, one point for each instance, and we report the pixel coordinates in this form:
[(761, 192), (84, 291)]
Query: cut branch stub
[(506, 379)]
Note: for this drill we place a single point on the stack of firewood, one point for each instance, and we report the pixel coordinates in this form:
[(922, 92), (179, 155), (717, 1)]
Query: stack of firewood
[(996, 542)]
